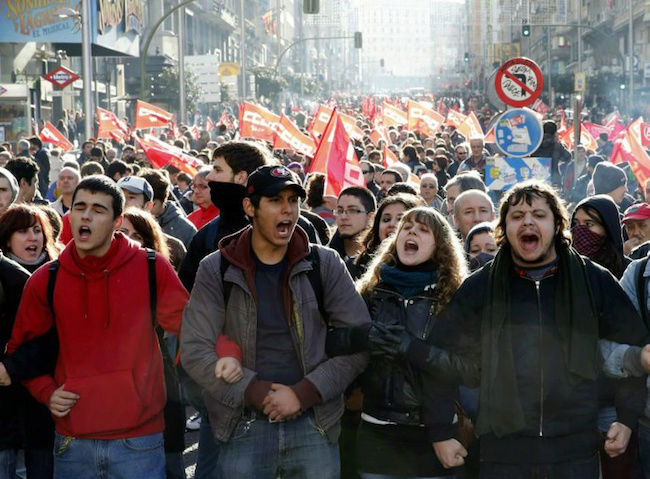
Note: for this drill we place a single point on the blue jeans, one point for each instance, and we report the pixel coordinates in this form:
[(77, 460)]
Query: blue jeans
[(369, 475), (129, 458), (265, 450), (644, 450), (8, 464)]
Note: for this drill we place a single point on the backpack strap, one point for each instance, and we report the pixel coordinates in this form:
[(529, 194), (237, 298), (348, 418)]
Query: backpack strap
[(641, 286), (53, 268), (316, 281)]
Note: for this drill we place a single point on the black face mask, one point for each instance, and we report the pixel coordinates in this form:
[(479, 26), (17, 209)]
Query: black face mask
[(480, 260)]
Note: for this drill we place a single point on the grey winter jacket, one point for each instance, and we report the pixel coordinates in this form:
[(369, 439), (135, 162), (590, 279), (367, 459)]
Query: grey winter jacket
[(205, 318), (174, 223)]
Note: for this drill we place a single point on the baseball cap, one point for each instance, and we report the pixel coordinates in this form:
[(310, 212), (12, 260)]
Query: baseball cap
[(137, 185), (271, 180), (639, 211)]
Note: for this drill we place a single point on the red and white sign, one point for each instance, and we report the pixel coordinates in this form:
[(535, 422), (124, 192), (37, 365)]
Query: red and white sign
[(160, 153), (61, 77), (109, 126), (257, 122), (288, 135), (519, 82)]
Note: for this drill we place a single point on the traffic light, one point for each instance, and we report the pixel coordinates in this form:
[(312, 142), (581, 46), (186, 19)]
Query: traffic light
[(525, 30), (358, 40), (466, 57), (310, 7), (381, 62)]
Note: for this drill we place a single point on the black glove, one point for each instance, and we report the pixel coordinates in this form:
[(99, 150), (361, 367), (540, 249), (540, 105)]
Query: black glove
[(381, 338), (396, 341)]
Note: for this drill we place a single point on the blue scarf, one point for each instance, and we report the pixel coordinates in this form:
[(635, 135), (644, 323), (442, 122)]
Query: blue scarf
[(407, 283)]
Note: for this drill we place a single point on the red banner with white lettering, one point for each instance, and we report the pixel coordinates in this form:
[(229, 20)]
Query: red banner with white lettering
[(288, 135), (257, 122), (389, 158), (209, 124), (470, 127), (111, 127), (49, 134), (151, 116), (336, 158), (645, 134), (160, 153), (628, 149), (455, 118)]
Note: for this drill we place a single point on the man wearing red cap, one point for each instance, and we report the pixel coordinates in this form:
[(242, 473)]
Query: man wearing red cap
[(636, 224)]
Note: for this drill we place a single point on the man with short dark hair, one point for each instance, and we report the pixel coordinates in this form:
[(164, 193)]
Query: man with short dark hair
[(99, 305), (84, 156), (169, 215), (387, 179), (283, 417), (526, 329), (117, 169), (368, 170), (25, 170)]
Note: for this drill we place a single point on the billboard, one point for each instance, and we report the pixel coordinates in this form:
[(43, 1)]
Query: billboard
[(115, 24)]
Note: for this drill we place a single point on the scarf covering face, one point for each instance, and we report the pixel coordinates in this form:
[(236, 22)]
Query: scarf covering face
[(586, 242), (576, 320)]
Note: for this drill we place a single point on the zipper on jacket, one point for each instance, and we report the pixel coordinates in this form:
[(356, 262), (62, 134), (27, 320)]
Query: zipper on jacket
[(541, 361)]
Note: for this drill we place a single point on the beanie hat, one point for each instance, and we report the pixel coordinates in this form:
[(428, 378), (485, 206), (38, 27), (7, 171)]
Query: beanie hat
[(13, 184), (485, 227), (607, 177), (593, 160)]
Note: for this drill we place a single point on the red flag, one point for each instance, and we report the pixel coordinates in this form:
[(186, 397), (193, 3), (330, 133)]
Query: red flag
[(423, 119), (321, 118), (645, 134), (489, 136), (351, 127), (109, 126), (49, 134), (379, 133), (455, 118), (225, 119), (540, 107), (209, 125), (596, 129), (257, 122), (628, 149), (393, 116), (288, 135), (562, 122), (470, 126), (336, 158), (618, 129), (586, 138), (148, 115), (389, 158), (195, 132), (160, 153)]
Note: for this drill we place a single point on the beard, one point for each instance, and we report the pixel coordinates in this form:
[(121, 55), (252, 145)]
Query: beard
[(544, 257)]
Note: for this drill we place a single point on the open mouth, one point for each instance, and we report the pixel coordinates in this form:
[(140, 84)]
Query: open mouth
[(84, 233), (411, 246), (529, 241), (284, 228), (31, 249)]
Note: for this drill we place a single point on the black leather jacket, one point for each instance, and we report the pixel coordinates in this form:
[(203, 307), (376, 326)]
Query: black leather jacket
[(394, 389)]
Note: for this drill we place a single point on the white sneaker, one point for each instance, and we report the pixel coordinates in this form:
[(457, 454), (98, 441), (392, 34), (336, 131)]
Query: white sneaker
[(193, 423)]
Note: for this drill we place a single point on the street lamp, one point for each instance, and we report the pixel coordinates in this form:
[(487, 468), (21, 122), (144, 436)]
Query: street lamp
[(86, 55)]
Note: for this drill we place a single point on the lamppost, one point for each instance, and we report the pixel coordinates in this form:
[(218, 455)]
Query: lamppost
[(86, 56)]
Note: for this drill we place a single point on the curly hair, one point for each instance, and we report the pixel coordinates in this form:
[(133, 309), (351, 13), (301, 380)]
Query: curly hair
[(528, 191), (447, 255)]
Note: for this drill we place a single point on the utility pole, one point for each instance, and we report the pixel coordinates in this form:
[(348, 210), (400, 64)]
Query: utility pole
[(631, 57), (181, 65), (579, 22), (86, 55), (549, 68), (242, 50)]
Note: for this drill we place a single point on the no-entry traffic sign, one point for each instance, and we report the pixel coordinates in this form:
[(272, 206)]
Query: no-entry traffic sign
[(61, 77), (519, 82)]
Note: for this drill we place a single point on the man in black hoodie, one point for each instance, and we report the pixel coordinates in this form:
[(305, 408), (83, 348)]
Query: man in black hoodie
[(553, 149)]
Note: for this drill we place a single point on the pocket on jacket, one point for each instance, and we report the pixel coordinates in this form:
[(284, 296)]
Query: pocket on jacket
[(107, 403)]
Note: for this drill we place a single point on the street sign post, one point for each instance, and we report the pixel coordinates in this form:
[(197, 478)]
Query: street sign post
[(519, 82), (61, 77), (518, 132)]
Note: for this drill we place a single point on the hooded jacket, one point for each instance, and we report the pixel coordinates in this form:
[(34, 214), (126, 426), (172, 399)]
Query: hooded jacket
[(553, 149), (609, 212), (174, 223), (206, 318), (108, 350)]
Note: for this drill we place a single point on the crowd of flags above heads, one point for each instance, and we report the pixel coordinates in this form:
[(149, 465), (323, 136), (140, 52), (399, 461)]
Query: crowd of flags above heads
[(327, 141)]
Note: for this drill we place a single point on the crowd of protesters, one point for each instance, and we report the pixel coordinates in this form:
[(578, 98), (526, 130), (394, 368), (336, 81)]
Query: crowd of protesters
[(419, 326)]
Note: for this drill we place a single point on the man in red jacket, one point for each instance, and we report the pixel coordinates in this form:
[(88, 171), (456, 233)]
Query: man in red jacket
[(107, 393)]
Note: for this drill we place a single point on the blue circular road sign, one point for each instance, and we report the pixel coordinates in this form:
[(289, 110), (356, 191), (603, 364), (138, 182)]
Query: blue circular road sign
[(518, 132)]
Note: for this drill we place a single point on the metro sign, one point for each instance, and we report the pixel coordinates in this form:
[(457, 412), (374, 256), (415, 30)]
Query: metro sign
[(61, 77)]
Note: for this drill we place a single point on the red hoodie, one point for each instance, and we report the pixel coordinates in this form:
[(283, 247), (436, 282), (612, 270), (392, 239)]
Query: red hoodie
[(108, 351)]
